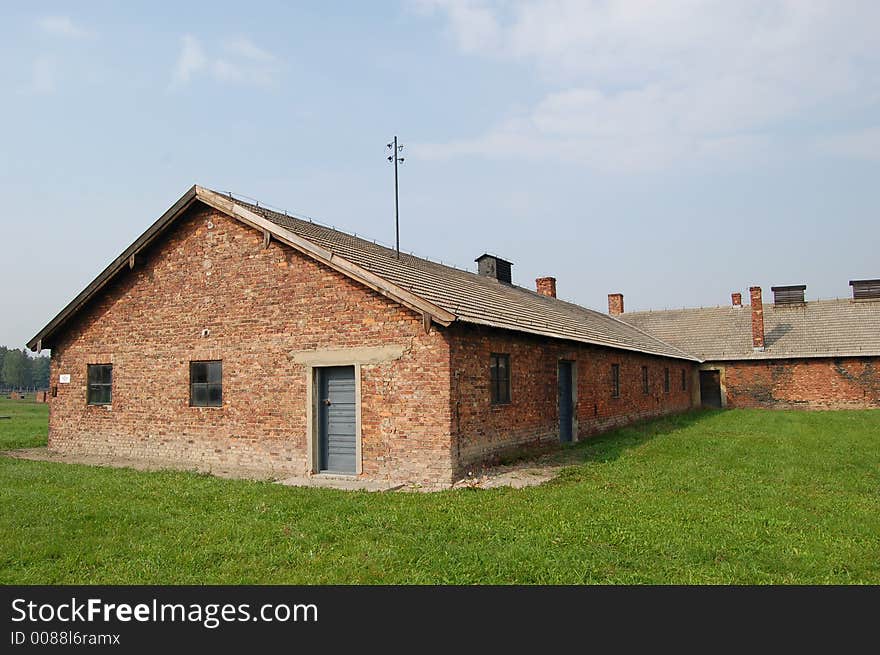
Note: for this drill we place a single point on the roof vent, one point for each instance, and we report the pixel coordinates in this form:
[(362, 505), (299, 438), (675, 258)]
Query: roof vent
[(492, 266), (789, 295), (865, 289)]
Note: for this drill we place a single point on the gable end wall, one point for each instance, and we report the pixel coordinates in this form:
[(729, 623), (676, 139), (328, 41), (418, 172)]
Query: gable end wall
[(268, 312)]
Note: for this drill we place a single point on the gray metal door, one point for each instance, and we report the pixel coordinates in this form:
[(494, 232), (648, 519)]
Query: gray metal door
[(336, 420), (566, 410)]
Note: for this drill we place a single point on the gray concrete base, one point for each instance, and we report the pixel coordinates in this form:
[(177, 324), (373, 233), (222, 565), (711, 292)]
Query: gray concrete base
[(344, 482)]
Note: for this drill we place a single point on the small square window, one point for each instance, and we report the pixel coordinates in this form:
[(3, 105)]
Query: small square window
[(499, 378), (615, 380), (100, 384), (206, 384)]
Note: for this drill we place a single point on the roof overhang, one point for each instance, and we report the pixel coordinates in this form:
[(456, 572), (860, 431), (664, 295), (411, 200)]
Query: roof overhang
[(429, 311), (591, 342)]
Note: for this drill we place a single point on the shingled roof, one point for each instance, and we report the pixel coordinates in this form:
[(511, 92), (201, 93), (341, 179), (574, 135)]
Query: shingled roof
[(442, 292), (820, 328), (474, 298)]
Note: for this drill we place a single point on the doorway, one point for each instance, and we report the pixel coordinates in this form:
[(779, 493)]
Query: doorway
[(566, 402), (710, 389), (337, 420)]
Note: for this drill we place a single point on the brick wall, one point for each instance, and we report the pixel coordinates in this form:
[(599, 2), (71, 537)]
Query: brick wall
[(260, 307), (209, 290), (849, 382), (483, 430)]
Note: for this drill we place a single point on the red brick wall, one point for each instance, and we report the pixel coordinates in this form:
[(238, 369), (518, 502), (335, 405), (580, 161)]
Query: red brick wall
[(263, 308), (484, 430), (260, 306), (849, 382)]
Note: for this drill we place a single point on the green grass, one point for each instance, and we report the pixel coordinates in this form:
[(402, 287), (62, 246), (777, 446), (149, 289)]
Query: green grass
[(28, 426), (716, 497)]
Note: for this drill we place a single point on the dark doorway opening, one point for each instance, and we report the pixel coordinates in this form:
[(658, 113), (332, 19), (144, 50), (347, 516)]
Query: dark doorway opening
[(710, 389)]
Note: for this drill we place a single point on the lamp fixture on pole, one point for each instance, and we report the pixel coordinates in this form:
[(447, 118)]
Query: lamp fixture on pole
[(395, 158)]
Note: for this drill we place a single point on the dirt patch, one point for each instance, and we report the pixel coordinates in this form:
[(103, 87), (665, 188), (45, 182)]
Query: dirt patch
[(518, 478), (527, 472), (518, 475)]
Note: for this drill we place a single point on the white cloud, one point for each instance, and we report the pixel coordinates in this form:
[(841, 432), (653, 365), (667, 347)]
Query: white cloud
[(646, 84), (858, 144), (474, 26), (249, 50), (42, 81), (226, 71), (243, 63), (61, 26), (191, 60)]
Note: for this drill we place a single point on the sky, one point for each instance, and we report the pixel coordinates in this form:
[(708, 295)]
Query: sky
[(672, 151)]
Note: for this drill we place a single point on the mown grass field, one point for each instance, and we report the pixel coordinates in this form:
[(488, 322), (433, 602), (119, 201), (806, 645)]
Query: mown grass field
[(28, 425), (715, 497)]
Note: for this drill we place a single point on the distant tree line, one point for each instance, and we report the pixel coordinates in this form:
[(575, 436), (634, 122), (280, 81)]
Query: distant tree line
[(18, 370)]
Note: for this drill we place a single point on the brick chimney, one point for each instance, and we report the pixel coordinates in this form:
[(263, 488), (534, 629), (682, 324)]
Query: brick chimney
[(736, 299), (757, 318), (615, 304), (546, 286)]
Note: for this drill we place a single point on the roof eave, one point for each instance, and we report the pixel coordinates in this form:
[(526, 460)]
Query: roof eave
[(115, 266), (592, 342), (327, 257)]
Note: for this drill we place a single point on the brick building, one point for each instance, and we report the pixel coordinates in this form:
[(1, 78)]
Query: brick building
[(793, 353), (228, 334)]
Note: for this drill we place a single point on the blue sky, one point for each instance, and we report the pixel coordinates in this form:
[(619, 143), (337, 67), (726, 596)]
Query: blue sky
[(674, 152)]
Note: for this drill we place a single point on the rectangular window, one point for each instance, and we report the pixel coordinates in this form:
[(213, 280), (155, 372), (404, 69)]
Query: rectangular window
[(645, 387), (684, 380), (499, 376), (615, 380), (666, 380), (100, 390), (206, 384)]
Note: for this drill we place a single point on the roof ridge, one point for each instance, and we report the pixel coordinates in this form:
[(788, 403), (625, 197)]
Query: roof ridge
[(352, 235), (473, 297), (686, 309), (419, 258), (815, 301)]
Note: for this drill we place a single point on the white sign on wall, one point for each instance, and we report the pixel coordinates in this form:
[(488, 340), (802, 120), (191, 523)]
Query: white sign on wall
[(64, 378)]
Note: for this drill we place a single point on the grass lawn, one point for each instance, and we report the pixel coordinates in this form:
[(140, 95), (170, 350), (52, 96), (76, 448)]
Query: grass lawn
[(715, 497), (28, 426)]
